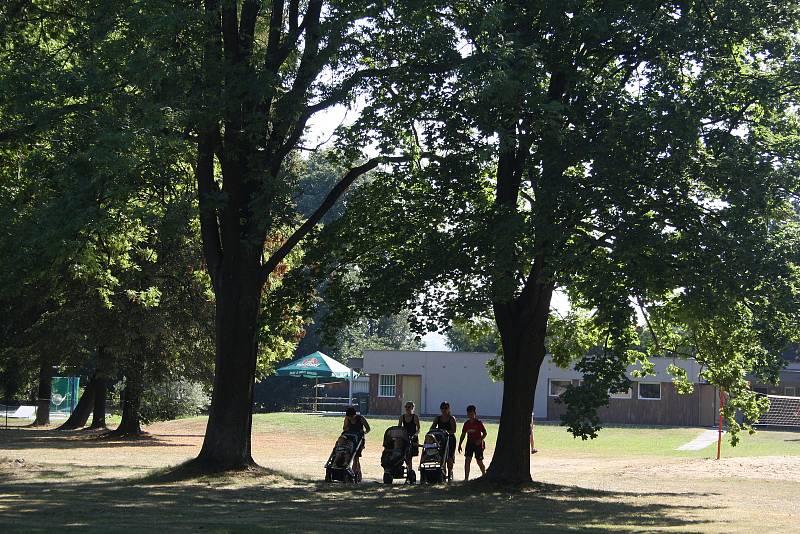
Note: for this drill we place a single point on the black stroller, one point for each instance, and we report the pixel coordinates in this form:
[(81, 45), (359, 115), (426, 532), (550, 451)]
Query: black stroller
[(396, 449), (435, 452), (339, 466)]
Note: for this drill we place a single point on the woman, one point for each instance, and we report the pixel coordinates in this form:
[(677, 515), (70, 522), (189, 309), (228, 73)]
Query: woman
[(410, 421), (356, 423), (447, 422)]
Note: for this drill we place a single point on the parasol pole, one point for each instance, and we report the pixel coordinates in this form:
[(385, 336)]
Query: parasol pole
[(350, 389), (316, 392)]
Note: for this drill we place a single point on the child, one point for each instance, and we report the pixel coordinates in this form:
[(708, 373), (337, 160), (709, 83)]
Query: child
[(356, 423), (447, 422), (475, 433), (534, 450)]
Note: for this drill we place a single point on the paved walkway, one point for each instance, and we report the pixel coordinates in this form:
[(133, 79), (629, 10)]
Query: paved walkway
[(700, 442)]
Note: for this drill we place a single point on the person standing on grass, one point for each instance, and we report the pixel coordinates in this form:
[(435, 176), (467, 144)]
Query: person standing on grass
[(410, 421), (357, 423), (447, 422), (534, 450), (475, 433)]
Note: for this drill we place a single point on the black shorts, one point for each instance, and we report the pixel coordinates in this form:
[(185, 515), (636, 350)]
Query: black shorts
[(474, 448), (451, 453)]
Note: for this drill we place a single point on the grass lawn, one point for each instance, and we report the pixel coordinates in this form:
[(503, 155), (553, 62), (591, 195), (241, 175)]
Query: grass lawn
[(627, 480), (611, 441)]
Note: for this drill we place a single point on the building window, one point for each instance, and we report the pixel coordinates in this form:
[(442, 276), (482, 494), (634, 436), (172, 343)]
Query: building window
[(557, 387), (621, 394), (387, 385), (650, 390), (790, 391)]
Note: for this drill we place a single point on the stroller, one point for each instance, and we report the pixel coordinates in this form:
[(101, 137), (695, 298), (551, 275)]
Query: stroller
[(396, 449), (339, 464), (435, 452)]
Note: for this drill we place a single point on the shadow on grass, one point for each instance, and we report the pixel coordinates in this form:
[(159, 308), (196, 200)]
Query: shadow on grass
[(75, 439), (270, 502)]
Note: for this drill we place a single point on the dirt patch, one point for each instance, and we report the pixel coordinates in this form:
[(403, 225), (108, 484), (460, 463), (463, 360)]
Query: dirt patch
[(784, 468)]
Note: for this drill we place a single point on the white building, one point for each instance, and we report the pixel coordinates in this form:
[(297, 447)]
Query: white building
[(461, 378)]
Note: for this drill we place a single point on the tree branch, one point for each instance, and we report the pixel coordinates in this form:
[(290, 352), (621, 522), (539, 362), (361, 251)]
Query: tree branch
[(230, 31), (338, 190), (247, 25), (207, 188), (275, 27), (43, 122)]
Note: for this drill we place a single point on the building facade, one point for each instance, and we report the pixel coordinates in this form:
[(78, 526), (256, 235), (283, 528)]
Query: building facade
[(428, 378), (461, 378)]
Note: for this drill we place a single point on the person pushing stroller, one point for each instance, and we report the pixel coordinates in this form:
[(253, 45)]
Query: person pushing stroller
[(354, 422), (447, 422), (410, 421)]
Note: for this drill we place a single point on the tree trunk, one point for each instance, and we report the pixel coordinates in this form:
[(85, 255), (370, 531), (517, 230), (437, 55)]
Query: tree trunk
[(227, 440), (522, 331), (100, 392), (83, 409), (44, 393), (131, 402)]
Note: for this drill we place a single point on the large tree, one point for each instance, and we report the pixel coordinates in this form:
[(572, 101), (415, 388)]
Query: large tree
[(637, 155), (267, 69)]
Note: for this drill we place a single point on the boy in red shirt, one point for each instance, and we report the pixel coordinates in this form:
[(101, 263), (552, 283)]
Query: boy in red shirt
[(475, 432)]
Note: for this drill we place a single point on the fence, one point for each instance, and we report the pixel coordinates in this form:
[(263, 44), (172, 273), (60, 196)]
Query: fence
[(13, 413), (783, 412), (64, 396), (324, 404)]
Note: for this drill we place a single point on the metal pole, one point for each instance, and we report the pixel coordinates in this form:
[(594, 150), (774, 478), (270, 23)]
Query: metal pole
[(350, 389), (719, 433)]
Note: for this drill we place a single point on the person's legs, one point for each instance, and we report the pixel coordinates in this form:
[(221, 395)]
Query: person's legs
[(478, 450), (479, 461), (467, 461), (451, 457)]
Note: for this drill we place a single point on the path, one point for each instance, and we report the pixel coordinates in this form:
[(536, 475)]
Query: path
[(700, 442)]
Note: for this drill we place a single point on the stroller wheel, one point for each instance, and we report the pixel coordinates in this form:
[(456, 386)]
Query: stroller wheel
[(387, 478)]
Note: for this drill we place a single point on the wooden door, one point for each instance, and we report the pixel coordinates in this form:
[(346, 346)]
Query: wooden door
[(412, 391)]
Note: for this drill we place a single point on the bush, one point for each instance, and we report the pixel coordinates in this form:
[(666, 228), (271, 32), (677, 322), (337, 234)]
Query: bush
[(172, 400)]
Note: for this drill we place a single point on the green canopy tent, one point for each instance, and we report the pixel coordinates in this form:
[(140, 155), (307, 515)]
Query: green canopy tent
[(318, 365)]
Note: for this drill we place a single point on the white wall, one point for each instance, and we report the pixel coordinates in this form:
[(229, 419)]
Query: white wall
[(461, 378)]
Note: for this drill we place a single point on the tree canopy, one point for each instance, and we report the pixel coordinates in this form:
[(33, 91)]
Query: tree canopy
[(637, 156)]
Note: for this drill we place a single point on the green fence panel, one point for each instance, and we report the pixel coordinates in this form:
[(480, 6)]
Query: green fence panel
[(64, 396)]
